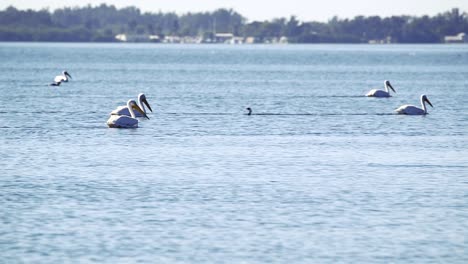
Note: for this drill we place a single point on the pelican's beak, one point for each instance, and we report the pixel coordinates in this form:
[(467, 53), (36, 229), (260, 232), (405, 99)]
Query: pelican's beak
[(427, 100), (147, 104), (391, 87), (136, 107), (66, 73)]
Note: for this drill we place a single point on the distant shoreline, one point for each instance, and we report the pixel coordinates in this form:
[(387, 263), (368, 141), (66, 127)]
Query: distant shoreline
[(108, 24)]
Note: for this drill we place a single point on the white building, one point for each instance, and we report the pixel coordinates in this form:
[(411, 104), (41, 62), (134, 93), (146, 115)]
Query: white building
[(137, 38), (223, 37)]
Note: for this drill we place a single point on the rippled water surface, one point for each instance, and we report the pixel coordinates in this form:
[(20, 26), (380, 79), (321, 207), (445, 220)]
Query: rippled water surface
[(318, 174)]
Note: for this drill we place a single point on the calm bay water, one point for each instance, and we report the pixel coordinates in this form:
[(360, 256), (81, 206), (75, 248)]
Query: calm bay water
[(319, 173)]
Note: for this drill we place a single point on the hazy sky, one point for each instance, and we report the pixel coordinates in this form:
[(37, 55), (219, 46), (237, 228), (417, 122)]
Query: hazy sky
[(306, 10)]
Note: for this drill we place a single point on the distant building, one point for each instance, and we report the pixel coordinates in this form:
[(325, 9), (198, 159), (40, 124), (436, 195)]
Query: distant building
[(236, 40), (283, 40), (275, 40), (387, 40), (121, 37), (226, 38), (182, 40), (460, 38), (154, 38), (250, 40), (223, 37), (137, 38), (192, 40), (172, 39)]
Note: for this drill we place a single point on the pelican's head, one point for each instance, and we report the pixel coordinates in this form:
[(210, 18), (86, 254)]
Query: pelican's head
[(67, 74), (250, 110), (387, 83), (133, 105), (424, 99), (142, 98)]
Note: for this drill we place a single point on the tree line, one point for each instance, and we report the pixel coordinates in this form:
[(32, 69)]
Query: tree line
[(101, 24)]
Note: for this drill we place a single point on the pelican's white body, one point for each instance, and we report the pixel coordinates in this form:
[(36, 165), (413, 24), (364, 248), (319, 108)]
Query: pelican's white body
[(413, 110), (379, 93), (123, 109), (410, 110), (61, 78), (123, 121)]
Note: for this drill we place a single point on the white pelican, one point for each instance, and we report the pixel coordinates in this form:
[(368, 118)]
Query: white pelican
[(62, 78), (123, 110), (380, 93), (413, 110), (116, 121)]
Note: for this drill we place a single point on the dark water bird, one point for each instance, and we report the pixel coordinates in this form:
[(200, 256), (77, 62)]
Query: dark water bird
[(381, 93), (62, 78), (250, 111), (413, 110), (123, 110), (55, 84)]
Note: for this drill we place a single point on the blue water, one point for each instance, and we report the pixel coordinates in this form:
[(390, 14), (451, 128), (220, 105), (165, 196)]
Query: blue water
[(318, 174)]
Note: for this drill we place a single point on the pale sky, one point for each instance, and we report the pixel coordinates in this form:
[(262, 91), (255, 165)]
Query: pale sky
[(305, 10)]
